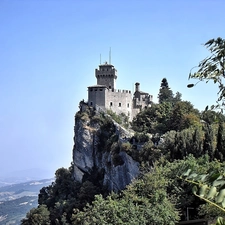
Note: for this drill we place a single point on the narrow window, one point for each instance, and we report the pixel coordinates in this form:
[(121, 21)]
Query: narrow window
[(91, 103), (91, 89), (127, 105), (119, 104), (100, 89), (111, 103), (109, 87)]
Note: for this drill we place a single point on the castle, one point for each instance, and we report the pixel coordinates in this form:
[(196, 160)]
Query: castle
[(106, 96)]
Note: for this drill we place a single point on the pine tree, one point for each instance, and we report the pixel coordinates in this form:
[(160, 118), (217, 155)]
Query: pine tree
[(177, 97), (165, 94)]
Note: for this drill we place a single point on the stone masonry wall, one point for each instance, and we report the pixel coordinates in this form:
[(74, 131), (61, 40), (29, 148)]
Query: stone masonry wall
[(119, 101), (97, 96)]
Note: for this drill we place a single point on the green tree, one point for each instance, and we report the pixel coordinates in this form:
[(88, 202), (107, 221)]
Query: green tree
[(64, 195), (144, 202), (220, 148), (197, 142), (177, 97), (208, 147), (178, 145), (210, 116), (154, 119), (39, 215), (183, 116), (165, 93)]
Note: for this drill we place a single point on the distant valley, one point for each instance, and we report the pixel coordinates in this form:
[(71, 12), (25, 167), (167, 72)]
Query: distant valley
[(18, 198)]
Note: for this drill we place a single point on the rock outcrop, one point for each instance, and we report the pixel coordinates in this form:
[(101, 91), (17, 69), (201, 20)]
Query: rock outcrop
[(97, 151)]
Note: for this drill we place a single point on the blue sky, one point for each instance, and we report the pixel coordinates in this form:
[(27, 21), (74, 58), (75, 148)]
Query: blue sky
[(50, 49)]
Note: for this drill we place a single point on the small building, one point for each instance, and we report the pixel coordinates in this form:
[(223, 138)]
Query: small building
[(105, 95)]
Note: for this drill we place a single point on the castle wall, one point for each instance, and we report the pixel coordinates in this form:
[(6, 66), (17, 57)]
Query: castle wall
[(141, 99), (135, 111), (119, 101), (97, 96)]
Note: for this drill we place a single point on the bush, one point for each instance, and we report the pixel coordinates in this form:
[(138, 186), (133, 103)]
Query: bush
[(126, 146), (141, 137), (121, 119)]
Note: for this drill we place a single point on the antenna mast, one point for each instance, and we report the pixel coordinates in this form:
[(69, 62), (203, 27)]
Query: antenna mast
[(100, 59), (110, 55)]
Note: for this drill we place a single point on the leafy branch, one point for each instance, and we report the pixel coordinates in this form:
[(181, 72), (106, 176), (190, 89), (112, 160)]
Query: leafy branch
[(208, 187), (213, 68)]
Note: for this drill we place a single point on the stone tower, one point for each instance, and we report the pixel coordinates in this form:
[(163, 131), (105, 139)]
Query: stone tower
[(104, 94), (106, 75)]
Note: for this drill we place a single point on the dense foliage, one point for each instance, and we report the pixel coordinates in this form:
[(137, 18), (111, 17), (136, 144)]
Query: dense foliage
[(156, 196), (144, 202)]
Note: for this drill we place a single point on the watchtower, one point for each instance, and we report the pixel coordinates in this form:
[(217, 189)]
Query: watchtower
[(106, 75)]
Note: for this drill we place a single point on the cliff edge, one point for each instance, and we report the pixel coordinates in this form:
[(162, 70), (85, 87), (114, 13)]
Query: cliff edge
[(99, 151)]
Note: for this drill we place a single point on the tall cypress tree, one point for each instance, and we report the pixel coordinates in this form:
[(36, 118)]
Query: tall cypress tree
[(208, 141), (220, 148), (197, 143), (165, 94)]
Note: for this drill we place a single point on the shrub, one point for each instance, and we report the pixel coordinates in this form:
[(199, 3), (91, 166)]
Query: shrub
[(141, 137)]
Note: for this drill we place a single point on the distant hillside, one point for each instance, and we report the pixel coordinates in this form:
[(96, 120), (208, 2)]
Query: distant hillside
[(17, 199), (22, 176)]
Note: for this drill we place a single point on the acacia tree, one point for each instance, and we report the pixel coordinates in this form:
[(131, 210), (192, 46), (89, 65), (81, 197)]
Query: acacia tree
[(213, 68)]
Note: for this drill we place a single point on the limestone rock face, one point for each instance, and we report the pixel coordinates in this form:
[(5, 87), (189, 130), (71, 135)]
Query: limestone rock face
[(116, 168)]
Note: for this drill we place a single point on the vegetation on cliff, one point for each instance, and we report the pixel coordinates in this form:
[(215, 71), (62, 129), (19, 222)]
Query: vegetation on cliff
[(167, 138)]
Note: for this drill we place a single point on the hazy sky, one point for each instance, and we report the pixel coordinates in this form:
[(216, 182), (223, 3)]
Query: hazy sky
[(50, 49)]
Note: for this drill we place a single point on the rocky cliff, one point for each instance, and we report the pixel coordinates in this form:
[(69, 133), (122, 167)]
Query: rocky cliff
[(99, 151)]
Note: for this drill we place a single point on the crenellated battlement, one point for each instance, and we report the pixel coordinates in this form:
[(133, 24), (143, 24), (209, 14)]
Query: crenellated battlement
[(106, 71), (101, 88), (119, 91)]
